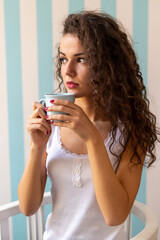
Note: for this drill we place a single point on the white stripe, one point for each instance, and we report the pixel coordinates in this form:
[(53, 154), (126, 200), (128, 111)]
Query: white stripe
[(153, 195), (125, 14), (92, 5), (29, 55), (59, 13), (5, 187), (5, 194)]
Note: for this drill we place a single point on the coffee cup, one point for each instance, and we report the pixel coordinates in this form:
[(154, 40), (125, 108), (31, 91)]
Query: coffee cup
[(52, 96)]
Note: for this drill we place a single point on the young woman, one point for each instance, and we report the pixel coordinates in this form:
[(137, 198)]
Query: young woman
[(95, 155)]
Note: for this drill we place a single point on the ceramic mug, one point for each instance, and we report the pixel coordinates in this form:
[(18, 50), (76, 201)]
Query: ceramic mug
[(52, 96)]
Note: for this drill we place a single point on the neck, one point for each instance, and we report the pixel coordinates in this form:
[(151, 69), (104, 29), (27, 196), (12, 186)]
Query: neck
[(88, 107)]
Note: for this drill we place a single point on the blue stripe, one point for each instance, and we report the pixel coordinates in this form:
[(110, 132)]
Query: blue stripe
[(45, 58), (15, 110), (75, 6), (140, 38), (140, 33), (109, 6), (45, 48)]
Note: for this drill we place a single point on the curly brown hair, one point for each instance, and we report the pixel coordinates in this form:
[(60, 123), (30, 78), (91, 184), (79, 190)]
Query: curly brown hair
[(117, 81)]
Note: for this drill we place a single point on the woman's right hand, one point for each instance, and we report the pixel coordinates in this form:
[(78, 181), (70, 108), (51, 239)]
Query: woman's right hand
[(38, 127)]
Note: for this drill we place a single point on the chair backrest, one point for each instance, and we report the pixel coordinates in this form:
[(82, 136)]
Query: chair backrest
[(36, 224), (144, 213)]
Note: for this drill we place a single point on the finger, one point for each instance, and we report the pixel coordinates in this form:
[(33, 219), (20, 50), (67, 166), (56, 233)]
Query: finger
[(34, 127), (61, 108), (61, 124), (62, 117), (64, 102), (39, 112), (37, 105), (40, 121)]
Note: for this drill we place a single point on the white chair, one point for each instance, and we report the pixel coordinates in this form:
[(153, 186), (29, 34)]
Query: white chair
[(144, 213), (36, 225)]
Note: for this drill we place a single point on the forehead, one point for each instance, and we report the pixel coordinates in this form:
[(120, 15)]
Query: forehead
[(70, 43)]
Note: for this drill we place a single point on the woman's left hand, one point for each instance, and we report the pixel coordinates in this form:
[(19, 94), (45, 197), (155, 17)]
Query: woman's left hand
[(76, 119)]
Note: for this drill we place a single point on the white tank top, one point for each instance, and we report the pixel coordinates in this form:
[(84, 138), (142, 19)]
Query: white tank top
[(75, 211)]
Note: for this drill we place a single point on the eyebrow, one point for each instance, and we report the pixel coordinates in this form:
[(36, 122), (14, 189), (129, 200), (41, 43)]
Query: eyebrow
[(77, 54)]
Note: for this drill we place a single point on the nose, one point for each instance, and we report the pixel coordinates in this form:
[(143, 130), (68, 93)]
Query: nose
[(70, 69)]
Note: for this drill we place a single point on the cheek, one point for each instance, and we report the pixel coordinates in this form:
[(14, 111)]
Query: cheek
[(62, 71), (87, 76)]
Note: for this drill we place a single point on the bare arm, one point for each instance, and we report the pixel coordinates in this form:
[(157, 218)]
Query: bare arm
[(32, 184), (115, 192), (33, 181)]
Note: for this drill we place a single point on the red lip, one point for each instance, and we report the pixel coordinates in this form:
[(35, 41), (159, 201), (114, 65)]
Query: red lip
[(71, 84)]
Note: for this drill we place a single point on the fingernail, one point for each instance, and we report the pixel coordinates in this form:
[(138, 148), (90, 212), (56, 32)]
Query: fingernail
[(47, 116), (51, 121), (46, 109), (51, 101)]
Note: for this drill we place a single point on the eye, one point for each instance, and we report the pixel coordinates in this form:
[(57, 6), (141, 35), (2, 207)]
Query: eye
[(63, 60), (81, 60)]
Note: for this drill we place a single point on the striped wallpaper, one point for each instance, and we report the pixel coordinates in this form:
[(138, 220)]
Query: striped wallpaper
[(29, 32)]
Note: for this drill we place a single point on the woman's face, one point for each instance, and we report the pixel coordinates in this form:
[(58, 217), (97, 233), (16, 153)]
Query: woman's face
[(74, 68)]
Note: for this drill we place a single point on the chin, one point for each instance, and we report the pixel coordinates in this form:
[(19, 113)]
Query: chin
[(72, 90)]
